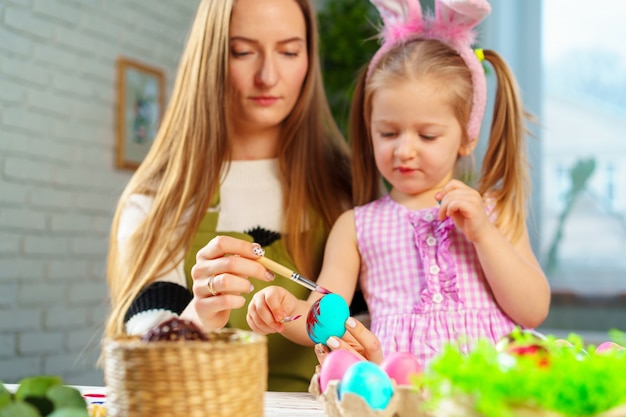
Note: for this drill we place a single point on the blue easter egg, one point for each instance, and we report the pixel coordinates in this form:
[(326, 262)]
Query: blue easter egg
[(368, 381), (327, 317)]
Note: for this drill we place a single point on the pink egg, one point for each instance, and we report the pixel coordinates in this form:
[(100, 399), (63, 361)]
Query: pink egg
[(400, 366), (608, 346), (335, 366)]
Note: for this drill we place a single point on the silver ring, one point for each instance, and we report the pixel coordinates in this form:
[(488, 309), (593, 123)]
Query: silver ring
[(210, 285)]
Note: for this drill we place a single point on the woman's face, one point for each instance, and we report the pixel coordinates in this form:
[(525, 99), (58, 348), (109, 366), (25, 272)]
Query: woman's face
[(268, 62)]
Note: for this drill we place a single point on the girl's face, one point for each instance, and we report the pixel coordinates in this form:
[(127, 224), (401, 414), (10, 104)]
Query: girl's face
[(416, 138), (268, 62)]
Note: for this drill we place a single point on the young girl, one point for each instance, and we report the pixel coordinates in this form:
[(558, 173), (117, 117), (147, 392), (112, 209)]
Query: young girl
[(437, 260)]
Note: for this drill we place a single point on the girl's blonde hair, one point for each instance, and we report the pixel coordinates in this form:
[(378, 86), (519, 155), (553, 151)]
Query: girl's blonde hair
[(182, 169), (504, 175)]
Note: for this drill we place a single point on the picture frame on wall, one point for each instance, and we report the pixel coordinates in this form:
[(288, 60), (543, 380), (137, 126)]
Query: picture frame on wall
[(140, 105)]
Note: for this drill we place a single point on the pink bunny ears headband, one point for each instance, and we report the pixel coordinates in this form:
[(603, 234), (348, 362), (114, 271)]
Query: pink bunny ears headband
[(453, 24)]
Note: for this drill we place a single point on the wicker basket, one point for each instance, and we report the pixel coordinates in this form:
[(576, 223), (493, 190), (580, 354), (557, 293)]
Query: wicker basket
[(224, 377)]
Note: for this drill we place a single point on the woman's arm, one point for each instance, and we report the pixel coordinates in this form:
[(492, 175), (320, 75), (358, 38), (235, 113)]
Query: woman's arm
[(164, 298)]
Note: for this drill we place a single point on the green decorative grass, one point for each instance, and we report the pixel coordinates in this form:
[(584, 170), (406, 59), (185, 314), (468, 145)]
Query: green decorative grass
[(572, 380)]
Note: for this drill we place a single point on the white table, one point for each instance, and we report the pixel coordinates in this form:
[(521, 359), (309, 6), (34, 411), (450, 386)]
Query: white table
[(277, 404), (292, 404)]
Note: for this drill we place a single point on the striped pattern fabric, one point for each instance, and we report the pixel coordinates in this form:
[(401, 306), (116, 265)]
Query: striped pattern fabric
[(423, 282)]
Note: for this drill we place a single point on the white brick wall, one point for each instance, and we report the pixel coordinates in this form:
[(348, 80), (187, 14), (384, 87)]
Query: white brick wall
[(58, 184)]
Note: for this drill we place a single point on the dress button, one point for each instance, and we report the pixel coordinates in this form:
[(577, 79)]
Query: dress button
[(429, 217), (434, 269), (437, 298), (431, 241)]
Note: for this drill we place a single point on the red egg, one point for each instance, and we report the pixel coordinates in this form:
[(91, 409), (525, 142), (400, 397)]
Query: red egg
[(335, 366), (525, 336), (400, 366), (533, 350)]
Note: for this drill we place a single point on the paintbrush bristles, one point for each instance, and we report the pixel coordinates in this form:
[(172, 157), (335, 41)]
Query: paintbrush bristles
[(322, 290)]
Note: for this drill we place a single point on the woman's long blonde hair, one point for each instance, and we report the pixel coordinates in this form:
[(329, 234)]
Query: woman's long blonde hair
[(504, 175), (182, 169)]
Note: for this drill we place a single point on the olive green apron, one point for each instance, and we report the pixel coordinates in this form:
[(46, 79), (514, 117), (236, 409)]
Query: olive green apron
[(290, 365)]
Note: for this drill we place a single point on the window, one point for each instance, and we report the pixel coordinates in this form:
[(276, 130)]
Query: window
[(570, 60), (584, 162)]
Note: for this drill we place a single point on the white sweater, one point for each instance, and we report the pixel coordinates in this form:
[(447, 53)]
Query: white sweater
[(250, 196)]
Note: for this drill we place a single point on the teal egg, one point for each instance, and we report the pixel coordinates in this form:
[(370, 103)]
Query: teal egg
[(327, 317), (368, 381)]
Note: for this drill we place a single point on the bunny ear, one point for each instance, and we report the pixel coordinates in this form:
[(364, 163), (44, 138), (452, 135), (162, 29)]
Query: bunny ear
[(461, 13), (402, 19), (397, 12)]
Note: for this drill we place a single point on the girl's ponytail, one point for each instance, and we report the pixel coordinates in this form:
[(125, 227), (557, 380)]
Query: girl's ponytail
[(504, 174)]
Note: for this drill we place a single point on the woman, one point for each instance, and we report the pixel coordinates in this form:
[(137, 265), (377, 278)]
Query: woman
[(247, 150)]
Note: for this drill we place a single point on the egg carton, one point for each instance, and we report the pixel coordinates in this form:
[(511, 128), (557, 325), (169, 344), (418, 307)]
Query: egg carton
[(405, 402)]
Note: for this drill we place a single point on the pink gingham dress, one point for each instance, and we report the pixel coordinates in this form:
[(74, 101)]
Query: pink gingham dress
[(422, 281)]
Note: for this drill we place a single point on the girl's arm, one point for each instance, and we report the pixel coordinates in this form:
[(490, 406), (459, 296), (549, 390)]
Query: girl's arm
[(511, 269), (339, 274), (515, 277)]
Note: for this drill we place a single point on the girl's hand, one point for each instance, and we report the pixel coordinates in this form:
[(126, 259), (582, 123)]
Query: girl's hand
[(268, 308), (466, 208), (220, 276), (357, 339)]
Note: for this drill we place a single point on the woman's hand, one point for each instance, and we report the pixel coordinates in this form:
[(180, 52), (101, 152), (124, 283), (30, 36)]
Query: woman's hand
[(357, 339), (220, 276)]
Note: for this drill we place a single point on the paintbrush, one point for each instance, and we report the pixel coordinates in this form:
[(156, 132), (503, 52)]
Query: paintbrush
[(288, 273)]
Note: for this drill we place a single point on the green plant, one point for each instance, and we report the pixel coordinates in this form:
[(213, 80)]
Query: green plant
[(348, 40), (42, 396), (555, 377)]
